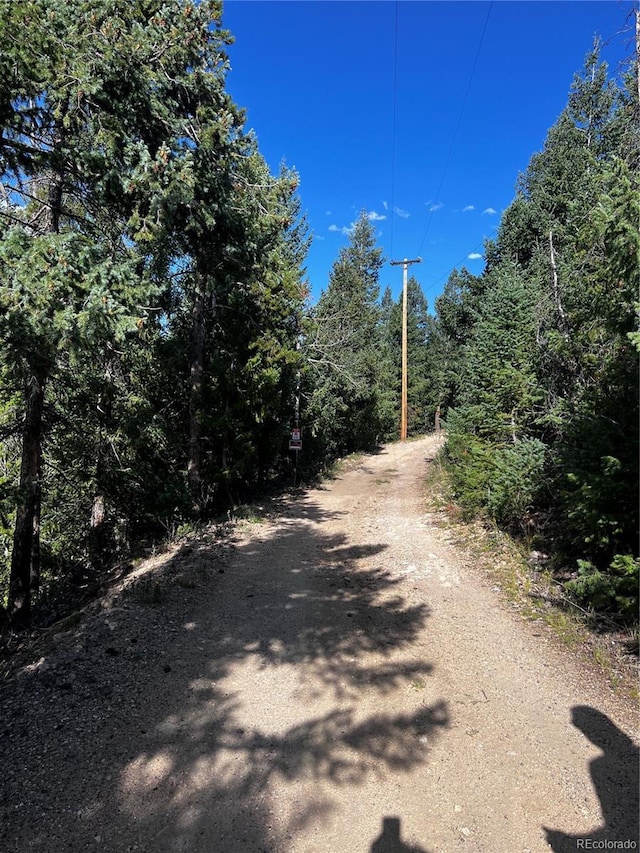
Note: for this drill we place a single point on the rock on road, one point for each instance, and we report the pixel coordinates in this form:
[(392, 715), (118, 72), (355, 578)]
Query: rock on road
[(343, 681)]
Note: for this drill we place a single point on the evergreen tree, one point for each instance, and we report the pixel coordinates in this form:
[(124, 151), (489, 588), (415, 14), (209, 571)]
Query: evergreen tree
[(591, 104), (456, 311), (492, 429), (598, 420), (253, 333), (544, 432), (346, 406), (69, 277), (150, 265)]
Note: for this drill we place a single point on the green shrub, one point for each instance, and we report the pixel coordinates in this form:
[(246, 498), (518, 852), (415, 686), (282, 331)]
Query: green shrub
[(613, 590), (514, 482), (469, 462), (503, 481)]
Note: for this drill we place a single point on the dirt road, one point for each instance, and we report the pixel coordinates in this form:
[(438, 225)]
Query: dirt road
[(341, 681)]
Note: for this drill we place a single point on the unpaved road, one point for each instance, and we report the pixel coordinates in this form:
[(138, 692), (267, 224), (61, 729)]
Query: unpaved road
[(342, 681)]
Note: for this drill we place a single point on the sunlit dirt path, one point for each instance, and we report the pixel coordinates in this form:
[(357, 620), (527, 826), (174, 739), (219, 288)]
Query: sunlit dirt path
[(343, 681)]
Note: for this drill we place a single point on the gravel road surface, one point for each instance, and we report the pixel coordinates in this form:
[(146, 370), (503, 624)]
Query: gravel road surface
[(339, 679)]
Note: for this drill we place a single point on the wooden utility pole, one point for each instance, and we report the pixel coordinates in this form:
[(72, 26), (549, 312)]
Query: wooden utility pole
[(403, 408)]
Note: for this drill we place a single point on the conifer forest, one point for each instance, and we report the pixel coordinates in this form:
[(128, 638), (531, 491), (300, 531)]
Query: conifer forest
[(156, 325)]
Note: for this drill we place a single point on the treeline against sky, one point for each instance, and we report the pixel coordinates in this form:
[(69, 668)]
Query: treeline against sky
[(543, 350)]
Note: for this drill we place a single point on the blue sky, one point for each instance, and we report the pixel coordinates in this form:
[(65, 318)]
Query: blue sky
[(474, 88)]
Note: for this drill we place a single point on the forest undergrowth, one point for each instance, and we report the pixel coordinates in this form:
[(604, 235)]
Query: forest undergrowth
[(521, 575)]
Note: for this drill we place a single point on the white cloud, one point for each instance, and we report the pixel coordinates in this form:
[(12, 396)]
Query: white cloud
[(342, 230), (468, 208), (385, 205), (434, 207), (490, 211), (402, 213), (328, 212), (474, 256), (372, 216)]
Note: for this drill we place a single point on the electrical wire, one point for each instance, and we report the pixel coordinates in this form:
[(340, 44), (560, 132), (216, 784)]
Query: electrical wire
[(459, 265), (393, 126), (457, 128)]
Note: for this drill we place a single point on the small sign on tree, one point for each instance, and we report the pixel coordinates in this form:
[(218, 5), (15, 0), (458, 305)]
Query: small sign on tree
[(295, 442)]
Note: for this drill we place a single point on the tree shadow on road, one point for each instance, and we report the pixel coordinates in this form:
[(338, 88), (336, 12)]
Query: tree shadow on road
[(616, 781), (173, 757)]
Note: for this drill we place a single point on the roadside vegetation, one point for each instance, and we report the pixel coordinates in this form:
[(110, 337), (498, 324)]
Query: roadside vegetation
[(523, 578), (542, 401)]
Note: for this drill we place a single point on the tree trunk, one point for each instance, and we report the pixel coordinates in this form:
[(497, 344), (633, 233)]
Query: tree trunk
[(23, 566), (196, 370), (35, 544), (562, 319), (96, 533), (25, 558), (97, 543)]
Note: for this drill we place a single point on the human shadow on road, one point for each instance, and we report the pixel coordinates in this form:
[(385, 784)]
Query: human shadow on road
[(389, 841), (178, 755), (615, 776)]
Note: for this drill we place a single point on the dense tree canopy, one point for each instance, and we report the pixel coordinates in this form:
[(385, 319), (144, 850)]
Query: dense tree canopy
[(152, 284)]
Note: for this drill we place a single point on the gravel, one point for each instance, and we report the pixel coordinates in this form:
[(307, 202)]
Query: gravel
[(337, 678)]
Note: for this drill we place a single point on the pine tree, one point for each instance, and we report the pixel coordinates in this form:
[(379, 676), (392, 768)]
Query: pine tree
[(93, 145), (456, 312), (545, 426), (342, 350)]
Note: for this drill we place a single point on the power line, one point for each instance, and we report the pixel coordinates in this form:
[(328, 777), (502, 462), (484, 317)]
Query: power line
[(456, 266), (457, 128), (393, 128)]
